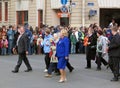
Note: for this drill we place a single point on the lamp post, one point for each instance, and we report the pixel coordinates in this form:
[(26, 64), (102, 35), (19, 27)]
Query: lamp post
[(83, 13), (70, 10)]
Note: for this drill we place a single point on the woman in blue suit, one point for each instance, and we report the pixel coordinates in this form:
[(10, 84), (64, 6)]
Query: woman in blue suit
[(62, 53)]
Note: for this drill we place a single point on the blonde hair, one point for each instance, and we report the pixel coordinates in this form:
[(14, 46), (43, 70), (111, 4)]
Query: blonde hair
[(64, 32)]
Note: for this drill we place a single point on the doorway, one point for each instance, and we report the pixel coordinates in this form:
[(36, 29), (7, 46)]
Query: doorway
[(106, 15), (64, 21), (40, 18)]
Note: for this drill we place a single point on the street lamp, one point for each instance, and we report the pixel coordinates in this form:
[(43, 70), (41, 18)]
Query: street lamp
[(70, 7), (83, 13), (70, 10)]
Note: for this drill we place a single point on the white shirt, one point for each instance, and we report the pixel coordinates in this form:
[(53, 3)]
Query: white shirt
[(18, 39), (76, 34)]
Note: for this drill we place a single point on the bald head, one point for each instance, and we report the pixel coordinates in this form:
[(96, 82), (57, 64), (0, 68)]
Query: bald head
[(114, 30), (21, 29)]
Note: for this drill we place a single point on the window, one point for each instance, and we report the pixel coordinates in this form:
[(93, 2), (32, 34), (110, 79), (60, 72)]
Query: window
[(0, 11), (25, 17), (22, 17), (6, 11), (40, 18)]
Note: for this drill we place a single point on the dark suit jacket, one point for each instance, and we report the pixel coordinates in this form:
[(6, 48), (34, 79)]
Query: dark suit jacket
[(91, 48), (23, 44), (114, 47)]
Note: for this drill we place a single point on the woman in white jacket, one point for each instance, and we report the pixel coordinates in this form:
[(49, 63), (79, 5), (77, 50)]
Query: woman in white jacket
[(102, 45)]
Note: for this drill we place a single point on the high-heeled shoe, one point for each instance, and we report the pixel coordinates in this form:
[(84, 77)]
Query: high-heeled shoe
[(61, 81), (65, 79)]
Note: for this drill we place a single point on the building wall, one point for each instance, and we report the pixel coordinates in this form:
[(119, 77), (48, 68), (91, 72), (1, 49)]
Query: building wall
[(3, 22), (79, 16), (48, 10), (33, 14), (76, 18), (32, 6), (12, 12), (93, 19), (22, 5)]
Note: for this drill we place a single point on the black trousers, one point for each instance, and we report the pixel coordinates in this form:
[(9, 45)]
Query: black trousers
[(88, 59), (114, 63), (53, 67), (77, 47), (100, 60), (47, 60), (69, 66), (22, 57), (88, 63)]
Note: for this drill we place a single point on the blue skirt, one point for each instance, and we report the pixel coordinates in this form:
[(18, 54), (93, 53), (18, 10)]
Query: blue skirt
[(61, 63)]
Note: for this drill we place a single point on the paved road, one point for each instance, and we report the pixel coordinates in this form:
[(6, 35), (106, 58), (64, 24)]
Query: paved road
[(79, 78)]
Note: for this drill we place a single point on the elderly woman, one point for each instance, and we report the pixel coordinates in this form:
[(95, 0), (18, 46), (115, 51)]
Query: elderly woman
[(62, 53)]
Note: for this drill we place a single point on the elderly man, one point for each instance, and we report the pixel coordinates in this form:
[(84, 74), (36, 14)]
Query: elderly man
[(22, 44)]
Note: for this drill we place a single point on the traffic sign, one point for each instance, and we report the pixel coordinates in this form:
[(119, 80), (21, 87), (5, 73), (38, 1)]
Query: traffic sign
[(64, 2), (90, 4), (64, 9), (73, 4)]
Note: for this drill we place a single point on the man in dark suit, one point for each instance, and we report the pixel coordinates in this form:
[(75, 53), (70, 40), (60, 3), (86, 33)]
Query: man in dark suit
[(114, 53), (22, 45)]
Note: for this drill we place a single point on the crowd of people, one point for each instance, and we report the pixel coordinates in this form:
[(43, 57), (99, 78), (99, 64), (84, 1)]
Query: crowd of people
[(101, 45)]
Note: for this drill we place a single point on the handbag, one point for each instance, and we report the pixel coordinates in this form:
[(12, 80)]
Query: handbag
[(50, 53), (100, 47), (54, 60)]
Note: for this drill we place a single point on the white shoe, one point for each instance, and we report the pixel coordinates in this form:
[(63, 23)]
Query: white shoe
[(61, 81), (65, 79), (45, 70)]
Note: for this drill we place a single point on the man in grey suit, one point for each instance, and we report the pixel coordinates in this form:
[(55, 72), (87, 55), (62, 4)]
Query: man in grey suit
[(22, 45)]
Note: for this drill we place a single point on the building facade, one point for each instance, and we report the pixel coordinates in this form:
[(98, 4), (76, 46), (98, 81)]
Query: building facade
[(22, 12), (78, 13), (83, 12), (4, 8)]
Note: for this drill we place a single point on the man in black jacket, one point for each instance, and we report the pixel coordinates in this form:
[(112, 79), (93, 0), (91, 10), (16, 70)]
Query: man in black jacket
[(22, 45), (114, 53)]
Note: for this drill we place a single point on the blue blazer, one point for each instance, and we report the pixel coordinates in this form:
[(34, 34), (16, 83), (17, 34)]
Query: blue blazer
[(62, 49)]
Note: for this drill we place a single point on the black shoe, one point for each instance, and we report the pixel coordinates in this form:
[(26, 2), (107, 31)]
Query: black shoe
[(114, 79), (107, 66), (98, 69), (28, 70), (71, 69), (14, 71), (87, 67)]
